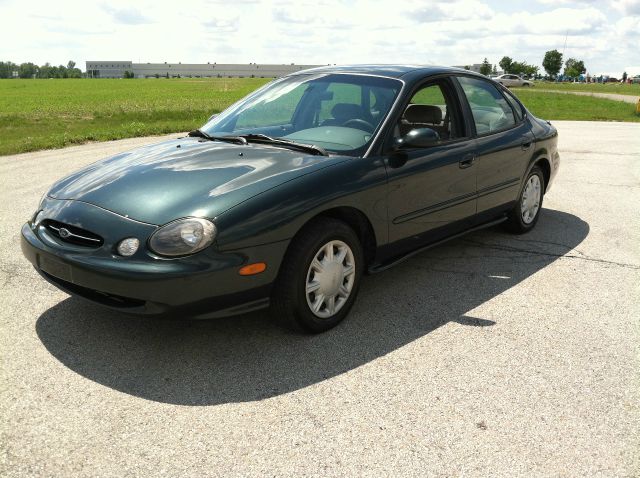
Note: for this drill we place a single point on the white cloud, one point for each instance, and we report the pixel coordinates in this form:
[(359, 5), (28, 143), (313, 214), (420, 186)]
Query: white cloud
[(127, 15), (440, 10), (603, 33), (561, 21), (628, 7)]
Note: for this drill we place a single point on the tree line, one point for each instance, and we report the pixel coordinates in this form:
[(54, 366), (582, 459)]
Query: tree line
[(552, 64), (31, 70)]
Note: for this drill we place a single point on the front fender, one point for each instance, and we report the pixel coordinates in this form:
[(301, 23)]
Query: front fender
[(279, 213)]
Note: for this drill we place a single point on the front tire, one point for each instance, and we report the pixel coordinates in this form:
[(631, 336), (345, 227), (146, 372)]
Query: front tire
[(319, 278), (524, 215)]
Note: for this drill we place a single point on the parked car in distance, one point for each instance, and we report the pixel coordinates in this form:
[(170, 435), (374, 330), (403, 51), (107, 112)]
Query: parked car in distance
[(512, 80), (289, 196)]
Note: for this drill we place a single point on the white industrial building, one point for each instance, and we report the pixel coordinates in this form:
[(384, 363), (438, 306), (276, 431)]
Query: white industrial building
[(117, 69)]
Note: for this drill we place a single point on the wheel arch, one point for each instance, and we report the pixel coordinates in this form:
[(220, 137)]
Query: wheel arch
[(544, 164), (356, 220)]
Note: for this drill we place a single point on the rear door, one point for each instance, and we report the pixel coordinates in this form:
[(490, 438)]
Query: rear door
[(504, 144)]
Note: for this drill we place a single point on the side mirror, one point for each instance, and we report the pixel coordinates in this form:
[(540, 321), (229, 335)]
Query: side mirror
[(418, 138), (212, 116)]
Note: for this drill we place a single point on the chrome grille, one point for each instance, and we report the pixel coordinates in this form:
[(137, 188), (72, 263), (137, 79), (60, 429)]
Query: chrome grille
[(72, 235)]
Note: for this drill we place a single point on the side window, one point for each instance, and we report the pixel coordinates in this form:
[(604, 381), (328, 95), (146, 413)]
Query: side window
[(490, 109), (430, 108)]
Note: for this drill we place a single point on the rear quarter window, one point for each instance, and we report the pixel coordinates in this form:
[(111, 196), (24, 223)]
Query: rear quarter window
[(491, 111), (517, 107)]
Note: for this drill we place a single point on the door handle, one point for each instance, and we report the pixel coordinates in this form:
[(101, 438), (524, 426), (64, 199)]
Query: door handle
[(467, 161), (526, 145)]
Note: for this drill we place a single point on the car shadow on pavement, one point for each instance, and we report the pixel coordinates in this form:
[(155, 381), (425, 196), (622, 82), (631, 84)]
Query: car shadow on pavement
[(246, 358)]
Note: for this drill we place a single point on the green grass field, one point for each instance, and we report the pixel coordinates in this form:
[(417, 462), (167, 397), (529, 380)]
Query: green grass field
[(619, 88), (41, 114), (559, 106)]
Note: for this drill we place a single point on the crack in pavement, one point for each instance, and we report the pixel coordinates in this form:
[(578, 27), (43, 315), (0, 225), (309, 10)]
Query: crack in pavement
[(602, 184), (538, 241), (550, 254), (591, 152)]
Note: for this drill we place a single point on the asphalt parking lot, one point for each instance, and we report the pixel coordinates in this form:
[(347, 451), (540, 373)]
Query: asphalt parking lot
[(493, 355)]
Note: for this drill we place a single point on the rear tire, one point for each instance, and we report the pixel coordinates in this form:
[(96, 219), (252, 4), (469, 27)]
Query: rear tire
[(319, 278), (524, 215)]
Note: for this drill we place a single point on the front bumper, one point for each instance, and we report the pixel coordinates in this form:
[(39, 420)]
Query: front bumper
[(206, 284)]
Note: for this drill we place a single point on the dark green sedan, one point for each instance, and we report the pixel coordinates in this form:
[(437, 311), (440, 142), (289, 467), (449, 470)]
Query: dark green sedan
[(290, 195)]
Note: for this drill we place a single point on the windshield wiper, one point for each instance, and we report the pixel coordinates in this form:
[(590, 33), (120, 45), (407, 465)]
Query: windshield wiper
[(198, 133), (264, 139)]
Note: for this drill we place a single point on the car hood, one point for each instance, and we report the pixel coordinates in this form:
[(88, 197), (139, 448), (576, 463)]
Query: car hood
[(185, 177)]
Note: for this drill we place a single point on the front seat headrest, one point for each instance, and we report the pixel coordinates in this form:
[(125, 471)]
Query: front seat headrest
[(423, 114), (346, 111)]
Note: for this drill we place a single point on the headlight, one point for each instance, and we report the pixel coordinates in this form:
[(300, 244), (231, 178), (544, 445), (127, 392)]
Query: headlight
[(44, 196), (182, 237), (39, 216)]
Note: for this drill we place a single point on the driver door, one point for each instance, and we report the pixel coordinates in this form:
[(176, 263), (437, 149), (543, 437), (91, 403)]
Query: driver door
[(432, 190)]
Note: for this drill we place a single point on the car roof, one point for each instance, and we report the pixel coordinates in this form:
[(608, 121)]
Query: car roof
[(389, 71)]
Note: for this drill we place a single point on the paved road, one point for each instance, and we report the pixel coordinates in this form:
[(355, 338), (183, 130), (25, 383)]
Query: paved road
[(493, 355), (609, 96)]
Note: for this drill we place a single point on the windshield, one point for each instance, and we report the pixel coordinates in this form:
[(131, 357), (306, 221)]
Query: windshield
[(339, 113)]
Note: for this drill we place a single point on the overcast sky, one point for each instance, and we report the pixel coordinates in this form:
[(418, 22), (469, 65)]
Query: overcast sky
[(606, 34)]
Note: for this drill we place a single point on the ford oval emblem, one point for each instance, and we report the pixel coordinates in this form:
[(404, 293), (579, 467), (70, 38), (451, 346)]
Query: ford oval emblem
[(64, 233)]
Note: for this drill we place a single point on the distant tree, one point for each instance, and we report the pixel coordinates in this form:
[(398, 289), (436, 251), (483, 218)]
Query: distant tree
[(494, 70), (505, 64), (7, 68), (624, 77), (62, 72), (157, 75), (552, 62), (517, 68), (74, 73), (128, 74), (467, 67), (44, 71), (31, 70), (27, 70), (574, 68), (523, 69), (485, 68), (532, 70)]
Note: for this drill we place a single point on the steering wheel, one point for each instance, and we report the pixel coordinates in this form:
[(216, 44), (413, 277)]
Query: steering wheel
[(359, 123)]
